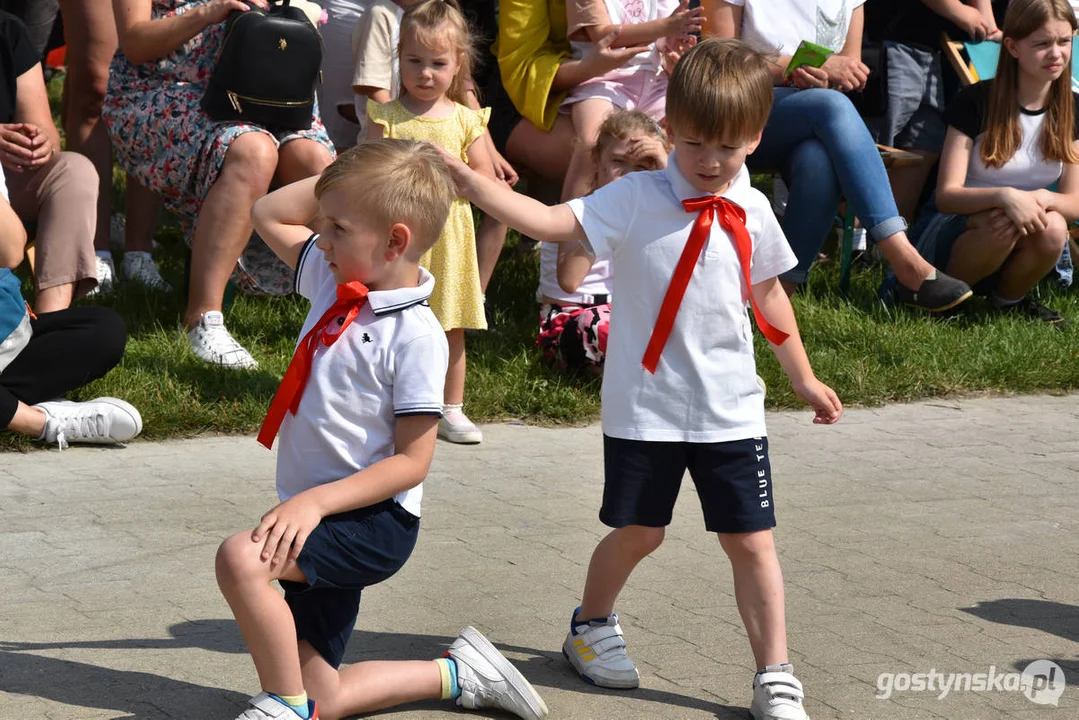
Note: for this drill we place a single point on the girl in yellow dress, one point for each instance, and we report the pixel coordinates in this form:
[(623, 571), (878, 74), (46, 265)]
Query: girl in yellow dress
[(436, 62)]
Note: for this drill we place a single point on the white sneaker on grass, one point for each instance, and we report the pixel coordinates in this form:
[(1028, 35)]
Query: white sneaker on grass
[(597, 651), (106, 274), (139, 266), (455, 427), (104, 421), (211, 341), (488, 680), (777, 695)]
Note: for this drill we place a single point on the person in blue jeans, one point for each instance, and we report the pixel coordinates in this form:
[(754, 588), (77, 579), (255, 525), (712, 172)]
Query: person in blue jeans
[(820, 144)]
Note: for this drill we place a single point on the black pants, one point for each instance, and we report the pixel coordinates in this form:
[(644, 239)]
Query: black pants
[(68, 349)]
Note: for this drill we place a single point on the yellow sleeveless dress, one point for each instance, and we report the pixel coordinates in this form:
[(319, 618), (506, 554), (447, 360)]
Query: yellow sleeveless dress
[(457, 300)]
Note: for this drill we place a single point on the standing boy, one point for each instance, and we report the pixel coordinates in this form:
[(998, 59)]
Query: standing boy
[(358, 410), (688, 245)]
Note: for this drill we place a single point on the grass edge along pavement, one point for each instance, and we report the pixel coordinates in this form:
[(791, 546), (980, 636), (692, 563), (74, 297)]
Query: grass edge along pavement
[(868, 353)]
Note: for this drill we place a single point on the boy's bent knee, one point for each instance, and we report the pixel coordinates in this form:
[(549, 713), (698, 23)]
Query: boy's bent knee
[(238, 560), (748, 545), (645, 540)]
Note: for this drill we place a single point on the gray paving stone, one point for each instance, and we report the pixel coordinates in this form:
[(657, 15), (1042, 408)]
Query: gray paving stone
[(940, 536)]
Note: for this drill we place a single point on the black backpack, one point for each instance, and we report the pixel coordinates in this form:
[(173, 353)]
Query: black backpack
[(267, 69)]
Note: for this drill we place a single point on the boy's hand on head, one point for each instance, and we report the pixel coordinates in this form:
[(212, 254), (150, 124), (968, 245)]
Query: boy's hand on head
[(822, 399), (284, 529)]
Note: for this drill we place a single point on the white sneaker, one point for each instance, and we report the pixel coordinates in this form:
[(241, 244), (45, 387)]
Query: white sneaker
[(106, 275), (455, 427), (267, 707), (488, 680), (103, 421), (597, 652), (139, 266), (212, 342), (777, 695)]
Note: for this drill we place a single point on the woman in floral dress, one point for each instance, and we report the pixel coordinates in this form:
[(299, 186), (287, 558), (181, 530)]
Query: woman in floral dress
[(209, 173)]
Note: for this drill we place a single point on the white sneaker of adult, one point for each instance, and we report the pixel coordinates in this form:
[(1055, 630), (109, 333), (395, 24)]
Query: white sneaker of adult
[(139, 266), (103, 421), (106, 275), (211, 341), (777, 695), (488, 680), (597, 651)]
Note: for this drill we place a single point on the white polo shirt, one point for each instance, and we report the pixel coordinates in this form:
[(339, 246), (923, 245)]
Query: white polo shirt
[(705, 388), (390, 362)]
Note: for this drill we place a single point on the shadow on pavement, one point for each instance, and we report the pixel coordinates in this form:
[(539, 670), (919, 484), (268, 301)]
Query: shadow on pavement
[(1048, 616), (144, 694)]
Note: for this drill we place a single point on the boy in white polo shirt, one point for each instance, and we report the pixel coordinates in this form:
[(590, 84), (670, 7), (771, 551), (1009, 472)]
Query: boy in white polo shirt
[(688, 244), (358, 412)]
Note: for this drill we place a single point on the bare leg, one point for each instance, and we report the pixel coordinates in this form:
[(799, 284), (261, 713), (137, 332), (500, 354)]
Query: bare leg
[(455, 376), (490, 237), (367, 686), (545, 153), (90, 32), (224, 224), (758, 590), (28, 421), (143, 210), (978, 252), (300, 159), (261, 612), (612, 562), (1035, 255), (911, 269), (588, 115)]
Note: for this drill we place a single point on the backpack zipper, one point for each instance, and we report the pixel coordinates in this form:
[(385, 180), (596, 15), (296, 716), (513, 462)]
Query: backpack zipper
[(234, 100)]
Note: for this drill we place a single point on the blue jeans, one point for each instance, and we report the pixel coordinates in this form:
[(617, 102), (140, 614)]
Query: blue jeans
[(820, 144)]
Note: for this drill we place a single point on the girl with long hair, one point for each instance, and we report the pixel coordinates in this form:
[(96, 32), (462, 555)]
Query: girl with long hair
[(1009, 178)]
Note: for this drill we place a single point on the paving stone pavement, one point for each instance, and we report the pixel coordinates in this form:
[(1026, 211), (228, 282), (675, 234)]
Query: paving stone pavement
[(938, 536)]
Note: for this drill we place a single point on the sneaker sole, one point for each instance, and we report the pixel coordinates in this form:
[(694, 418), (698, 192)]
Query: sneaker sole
[(943, 308), (513, 676), (610, 684)]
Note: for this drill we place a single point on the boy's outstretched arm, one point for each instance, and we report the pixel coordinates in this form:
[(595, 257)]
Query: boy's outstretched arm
[(284, 529), (283, 217), (774, 304), (531, 217)]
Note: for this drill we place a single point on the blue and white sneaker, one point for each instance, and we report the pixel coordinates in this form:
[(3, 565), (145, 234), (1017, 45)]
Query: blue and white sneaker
[(597, 651), (268, 707)]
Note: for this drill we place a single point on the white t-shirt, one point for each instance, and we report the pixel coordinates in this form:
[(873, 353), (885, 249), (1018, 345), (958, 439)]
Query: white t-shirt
[(596, 282), (1027, 169), (778, 26), (705, 388), (390, 362)]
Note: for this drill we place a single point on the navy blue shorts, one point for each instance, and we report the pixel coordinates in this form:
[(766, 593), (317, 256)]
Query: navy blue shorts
[(345, 554), (733, 479)]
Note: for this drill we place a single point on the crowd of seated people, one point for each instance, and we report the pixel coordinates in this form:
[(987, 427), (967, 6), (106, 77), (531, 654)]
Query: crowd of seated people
[(538, 69)]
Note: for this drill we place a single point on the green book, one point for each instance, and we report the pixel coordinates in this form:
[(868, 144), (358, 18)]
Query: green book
[(809, 54)]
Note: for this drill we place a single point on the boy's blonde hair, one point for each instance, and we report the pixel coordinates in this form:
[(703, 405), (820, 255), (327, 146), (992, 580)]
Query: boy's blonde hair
[(396, 181), (433, 22), (720, 91)]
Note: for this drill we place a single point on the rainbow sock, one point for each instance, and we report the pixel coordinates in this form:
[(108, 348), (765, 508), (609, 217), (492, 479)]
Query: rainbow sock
[(447, 668), (297, 703)]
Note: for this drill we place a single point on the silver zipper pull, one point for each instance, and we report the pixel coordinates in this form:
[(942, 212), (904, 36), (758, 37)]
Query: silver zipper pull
[(235, 101)]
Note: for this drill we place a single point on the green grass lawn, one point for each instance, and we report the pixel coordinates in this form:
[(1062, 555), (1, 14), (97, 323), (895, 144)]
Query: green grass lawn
[(870, 355)]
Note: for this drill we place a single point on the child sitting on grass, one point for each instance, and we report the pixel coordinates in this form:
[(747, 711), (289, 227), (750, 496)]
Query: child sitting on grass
[(357, 410), (689, 244)]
